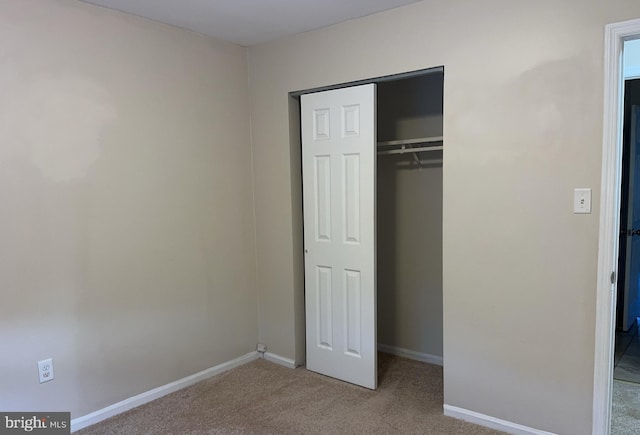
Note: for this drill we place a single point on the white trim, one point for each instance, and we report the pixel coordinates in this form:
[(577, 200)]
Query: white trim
[(615, 34), (280, 360), (148, 396), (411, 354), (491, 422)]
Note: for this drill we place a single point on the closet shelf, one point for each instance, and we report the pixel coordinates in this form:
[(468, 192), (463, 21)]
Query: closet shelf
[(420, 144)]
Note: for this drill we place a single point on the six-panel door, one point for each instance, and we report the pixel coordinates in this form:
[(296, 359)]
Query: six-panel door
[(339, 175)]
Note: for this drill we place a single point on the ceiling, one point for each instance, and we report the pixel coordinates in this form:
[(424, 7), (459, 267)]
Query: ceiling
[(250, 22)]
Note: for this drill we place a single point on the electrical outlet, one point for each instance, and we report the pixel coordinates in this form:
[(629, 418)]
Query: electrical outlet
[(45, 370), (262, 348)]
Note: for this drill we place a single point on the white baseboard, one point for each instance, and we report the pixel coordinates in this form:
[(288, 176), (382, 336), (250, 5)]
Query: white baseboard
[(491, 422), (280, 360), (148, 396), (411, 354)]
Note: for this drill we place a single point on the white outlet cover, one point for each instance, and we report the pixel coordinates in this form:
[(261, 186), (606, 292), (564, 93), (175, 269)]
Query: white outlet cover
[(45, 370)]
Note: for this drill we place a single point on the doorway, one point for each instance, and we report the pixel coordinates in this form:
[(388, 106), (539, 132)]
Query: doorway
[(408, 113), (628, 299), (626, 372), (616, 36)]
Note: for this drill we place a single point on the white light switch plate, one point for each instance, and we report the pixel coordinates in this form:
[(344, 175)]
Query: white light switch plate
[(582, 201)]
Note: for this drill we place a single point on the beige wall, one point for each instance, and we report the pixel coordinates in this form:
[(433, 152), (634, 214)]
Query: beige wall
[(126, 231), (522, 124)]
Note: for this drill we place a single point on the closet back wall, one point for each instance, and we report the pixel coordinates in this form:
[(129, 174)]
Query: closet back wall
[(410, 256)]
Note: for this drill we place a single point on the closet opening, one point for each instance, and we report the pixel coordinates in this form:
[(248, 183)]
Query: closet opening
[(342, 317), (409, 217)]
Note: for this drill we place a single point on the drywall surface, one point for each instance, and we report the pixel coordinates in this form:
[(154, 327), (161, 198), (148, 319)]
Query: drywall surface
[(409, 216), (410, 108), (522, 126), (126, 231)]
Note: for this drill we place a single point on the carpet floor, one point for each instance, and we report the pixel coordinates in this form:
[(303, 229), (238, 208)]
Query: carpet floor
[(265, 398), (625, 418)]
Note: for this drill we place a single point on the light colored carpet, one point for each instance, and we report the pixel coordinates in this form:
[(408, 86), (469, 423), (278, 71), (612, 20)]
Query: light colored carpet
[(625, 416), (264, 398)]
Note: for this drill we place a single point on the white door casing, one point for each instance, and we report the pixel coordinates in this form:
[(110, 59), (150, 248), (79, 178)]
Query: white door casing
[(339, 188)]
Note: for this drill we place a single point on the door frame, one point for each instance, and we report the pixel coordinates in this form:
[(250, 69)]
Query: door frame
[(615, 36), (295, 149)]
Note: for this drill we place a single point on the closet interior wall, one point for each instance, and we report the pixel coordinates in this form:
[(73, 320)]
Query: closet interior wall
[(409, 217)]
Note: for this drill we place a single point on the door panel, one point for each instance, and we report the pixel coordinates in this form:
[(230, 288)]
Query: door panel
[(339, 167)]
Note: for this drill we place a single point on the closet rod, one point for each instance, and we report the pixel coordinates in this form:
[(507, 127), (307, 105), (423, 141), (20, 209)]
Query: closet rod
[(418, 140), (405, 150)]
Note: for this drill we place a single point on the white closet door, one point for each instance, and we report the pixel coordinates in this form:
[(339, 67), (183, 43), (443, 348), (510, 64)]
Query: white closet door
[(339, 176)]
